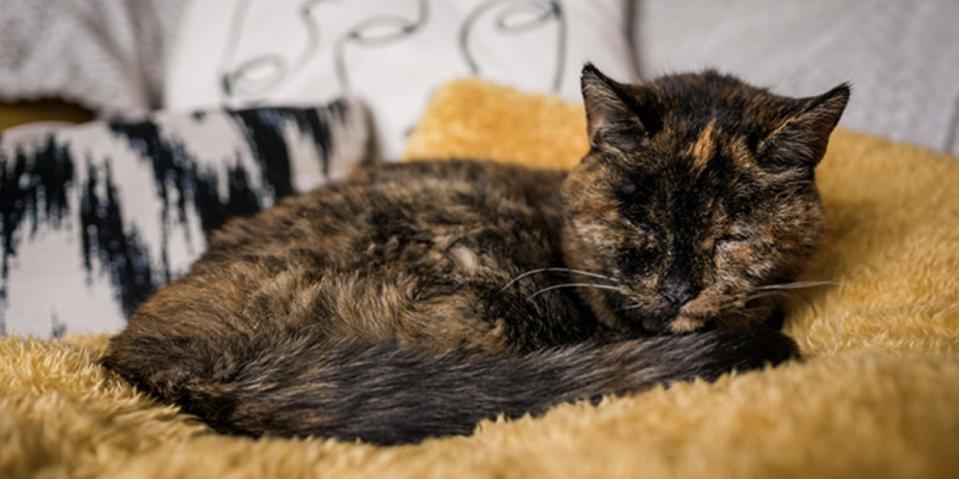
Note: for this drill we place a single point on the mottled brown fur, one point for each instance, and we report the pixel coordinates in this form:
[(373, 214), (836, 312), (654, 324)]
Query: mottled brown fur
[(390, 307)]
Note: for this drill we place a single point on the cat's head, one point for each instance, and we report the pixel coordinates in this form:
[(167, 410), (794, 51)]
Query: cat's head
[(697, 190)]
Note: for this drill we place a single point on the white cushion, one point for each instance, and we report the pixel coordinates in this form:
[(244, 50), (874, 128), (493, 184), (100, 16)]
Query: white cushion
[(392, 54)]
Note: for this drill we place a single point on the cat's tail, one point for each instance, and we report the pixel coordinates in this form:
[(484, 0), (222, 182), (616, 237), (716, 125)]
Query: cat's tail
[(387, 394)]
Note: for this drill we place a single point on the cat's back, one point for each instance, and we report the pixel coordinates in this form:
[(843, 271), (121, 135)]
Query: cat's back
[(398, 205), (403, 252)]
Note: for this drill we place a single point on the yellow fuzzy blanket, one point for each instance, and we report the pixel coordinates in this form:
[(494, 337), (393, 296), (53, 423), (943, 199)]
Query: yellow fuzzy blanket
[(877, 396)]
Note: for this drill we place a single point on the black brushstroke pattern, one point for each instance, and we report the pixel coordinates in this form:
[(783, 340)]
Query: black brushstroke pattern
[(309, 122), (952, 129), (263, 130), (58, 329), (119, 249), (177, 180), (35, 189), (170, 172), (241, 200), (268, 146)]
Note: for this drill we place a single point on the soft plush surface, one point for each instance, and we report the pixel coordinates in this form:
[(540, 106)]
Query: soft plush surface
[(878, 394)]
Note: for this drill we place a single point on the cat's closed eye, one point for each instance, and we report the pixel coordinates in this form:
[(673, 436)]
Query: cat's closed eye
[(638, 217), (733, 238)]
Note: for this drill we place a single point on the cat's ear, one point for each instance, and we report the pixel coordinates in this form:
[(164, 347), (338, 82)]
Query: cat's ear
[(612, 111), (803, 137)]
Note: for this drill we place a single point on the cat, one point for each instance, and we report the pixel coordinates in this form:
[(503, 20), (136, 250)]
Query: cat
[(414, 300)]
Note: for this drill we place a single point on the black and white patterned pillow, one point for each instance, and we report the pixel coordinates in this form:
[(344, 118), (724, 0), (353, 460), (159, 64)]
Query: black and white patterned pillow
[(96, 217)]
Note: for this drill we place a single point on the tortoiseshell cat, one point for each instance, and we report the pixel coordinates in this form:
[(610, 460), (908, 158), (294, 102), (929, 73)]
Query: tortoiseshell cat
[(414, 300)]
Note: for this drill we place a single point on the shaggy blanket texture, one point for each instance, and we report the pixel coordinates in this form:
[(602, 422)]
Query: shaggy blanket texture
[(877, 395)]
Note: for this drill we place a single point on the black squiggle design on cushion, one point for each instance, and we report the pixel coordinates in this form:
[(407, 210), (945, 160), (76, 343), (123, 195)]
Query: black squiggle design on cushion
[(246, 80), (546, 10), (237, 80), (360, 35)]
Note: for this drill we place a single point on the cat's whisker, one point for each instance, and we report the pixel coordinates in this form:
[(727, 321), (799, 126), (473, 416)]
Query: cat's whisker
[(765, 294), (632, 306), (572, 285), (790, 294), (794, 285), (557, 270)]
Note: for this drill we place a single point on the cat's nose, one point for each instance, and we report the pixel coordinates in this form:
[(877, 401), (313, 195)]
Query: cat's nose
[(676, 290)]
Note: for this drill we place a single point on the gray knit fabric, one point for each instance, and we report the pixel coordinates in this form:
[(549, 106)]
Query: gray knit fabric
[(107, 55), (902, 56)]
